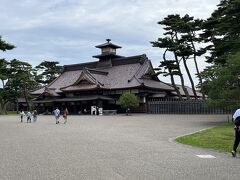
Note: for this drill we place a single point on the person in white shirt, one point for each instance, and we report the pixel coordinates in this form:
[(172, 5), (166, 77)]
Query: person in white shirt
[(22, 114), (236, 120), (29, 117), (56, 113)]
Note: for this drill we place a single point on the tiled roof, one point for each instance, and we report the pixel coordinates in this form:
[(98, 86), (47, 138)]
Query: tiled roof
[(38, 91), (157, 85), (66, 79), (190, 91), (126, 72), (108, 44), (76, 98), (79, 87)]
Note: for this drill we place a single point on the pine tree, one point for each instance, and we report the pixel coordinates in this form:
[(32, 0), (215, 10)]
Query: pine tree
[(181, 38), (49, 70), (222, 30)]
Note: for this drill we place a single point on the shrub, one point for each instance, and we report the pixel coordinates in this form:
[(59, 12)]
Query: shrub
[(128, 100)]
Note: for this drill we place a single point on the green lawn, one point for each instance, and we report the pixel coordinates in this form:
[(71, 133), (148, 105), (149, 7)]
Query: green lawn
[(219, 138), (10, 113)]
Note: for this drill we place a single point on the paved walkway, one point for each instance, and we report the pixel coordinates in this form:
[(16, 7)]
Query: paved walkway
[(110, 147)]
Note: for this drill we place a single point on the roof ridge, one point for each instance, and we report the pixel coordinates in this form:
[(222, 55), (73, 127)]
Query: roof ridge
[(80, 64), (130, 57), (97, 71)]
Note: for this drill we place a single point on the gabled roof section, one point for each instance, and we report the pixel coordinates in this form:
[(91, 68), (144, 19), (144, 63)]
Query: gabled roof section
[(49, 92), (149, 72), (86, 75), (65, 79), (87, 80), (145, 70)]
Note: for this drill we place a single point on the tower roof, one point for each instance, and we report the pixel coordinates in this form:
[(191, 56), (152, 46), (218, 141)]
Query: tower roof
[(108, 44)]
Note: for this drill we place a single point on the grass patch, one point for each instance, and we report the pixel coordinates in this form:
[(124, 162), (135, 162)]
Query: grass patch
[(219, 138), (10, 113)]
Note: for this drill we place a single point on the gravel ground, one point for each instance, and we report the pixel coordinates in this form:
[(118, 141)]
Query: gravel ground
[(110, 147)]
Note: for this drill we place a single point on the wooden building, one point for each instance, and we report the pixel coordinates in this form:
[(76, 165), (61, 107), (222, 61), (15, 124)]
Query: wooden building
[(101, 83)]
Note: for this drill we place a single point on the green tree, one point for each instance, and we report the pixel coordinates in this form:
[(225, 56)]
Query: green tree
[(182, 39), (5, 95), (225, 82), (172, 70), (222, 31), (48, 71), (21, 80), (190, 29), (5, 46), (3, 91), (170, 43), (3, 71), (3, 63), (128, 100)]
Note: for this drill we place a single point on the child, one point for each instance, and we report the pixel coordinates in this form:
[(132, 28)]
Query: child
[(22, 114), (29, 116)]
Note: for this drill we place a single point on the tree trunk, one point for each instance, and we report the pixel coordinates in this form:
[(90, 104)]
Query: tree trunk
[(3, 84), (17, 107), (25, 96), (181, 77), (177, 61), (190, 77), (172, 78), (198, 72), (175, 87), (3, 107)]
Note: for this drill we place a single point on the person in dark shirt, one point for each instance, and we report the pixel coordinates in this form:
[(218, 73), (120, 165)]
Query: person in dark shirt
[(236, 120)]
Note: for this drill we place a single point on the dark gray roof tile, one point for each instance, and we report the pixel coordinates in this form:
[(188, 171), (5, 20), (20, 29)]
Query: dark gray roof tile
[(125, 73)]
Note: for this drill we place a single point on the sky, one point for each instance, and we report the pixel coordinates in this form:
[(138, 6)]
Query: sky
[(67, 31)]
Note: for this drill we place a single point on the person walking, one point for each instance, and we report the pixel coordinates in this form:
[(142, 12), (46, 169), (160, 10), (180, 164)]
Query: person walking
[(22, 114), (29, 117), (56, 113), (34, 115), (236, 121), (65, 114)]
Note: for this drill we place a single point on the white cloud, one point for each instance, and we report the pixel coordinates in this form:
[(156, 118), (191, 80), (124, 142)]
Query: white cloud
[(68, 30)]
